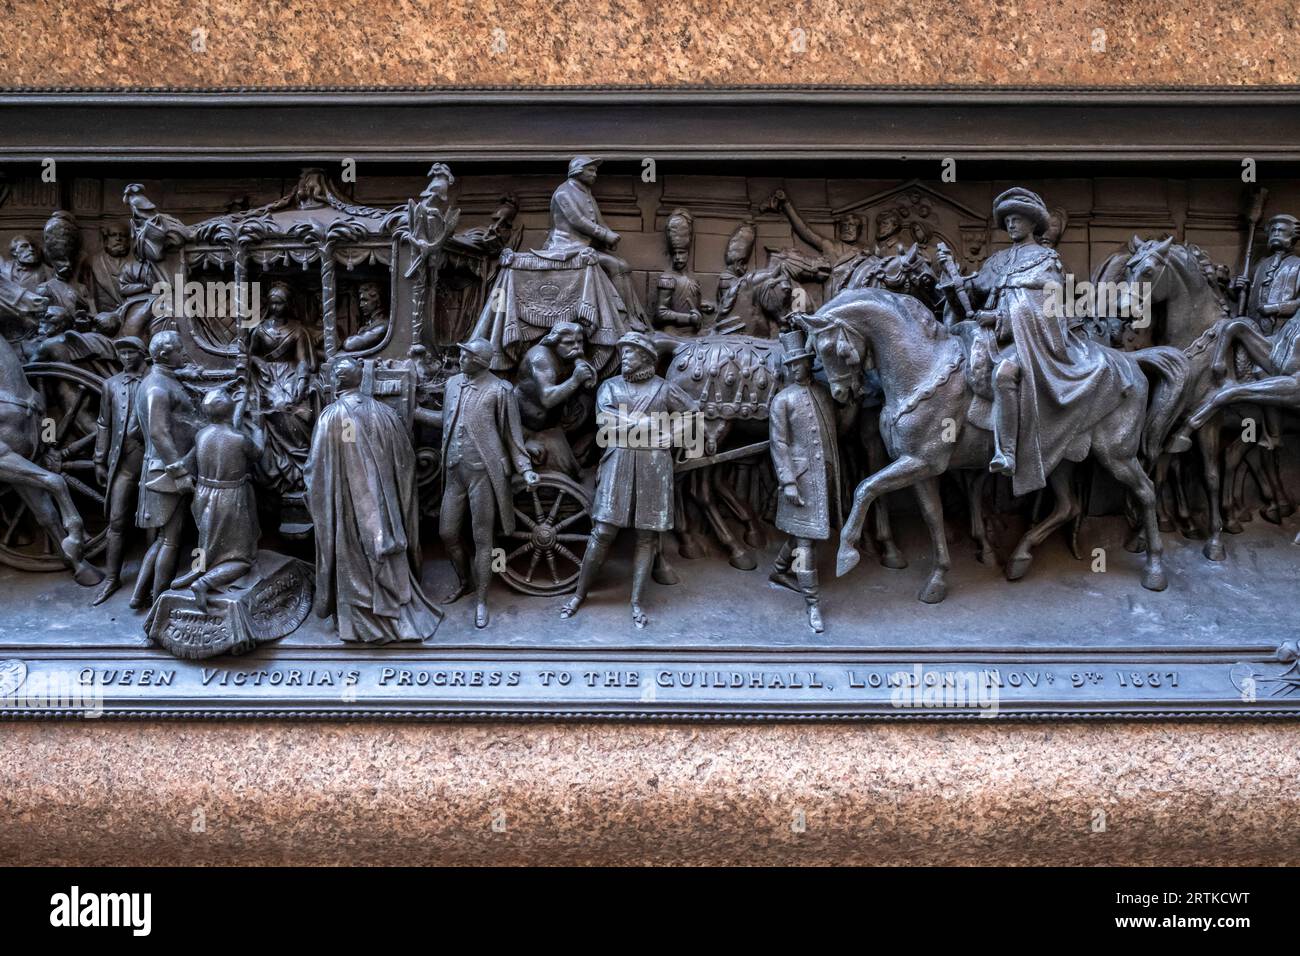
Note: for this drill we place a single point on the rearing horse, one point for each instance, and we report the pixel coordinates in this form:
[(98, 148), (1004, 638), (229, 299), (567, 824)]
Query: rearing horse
[(44, 493), (925, 428)]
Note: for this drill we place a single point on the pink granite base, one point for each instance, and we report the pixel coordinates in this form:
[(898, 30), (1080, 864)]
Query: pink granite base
[(125, 793)]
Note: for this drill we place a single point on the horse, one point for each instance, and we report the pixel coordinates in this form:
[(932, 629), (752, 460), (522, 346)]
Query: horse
[(733, 376), (1188, 310), (43, 492), (1180, 294), (1218, 396), (925, 427)]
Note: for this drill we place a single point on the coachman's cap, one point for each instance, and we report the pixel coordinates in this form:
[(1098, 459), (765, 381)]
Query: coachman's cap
[(130, 342), (480, 348), (1287, 218), (1023, 202), (579, 163), (639, 340)]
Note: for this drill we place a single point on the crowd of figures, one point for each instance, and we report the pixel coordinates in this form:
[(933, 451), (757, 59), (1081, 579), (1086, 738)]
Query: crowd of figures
[(571, 409)]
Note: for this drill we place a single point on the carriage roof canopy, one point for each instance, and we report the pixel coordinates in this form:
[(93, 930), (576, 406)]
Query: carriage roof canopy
[(296, 226)]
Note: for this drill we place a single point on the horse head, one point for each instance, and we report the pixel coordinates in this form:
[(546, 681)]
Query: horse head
[(910, 273), (1147, 269), (841, 351)]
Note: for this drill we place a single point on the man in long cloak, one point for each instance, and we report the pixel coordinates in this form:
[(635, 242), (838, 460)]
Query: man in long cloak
[(361, 492)]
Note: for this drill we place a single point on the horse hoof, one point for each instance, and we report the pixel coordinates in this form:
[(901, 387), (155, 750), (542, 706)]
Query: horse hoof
[(665, 576), (1018, 567), (1232, 526), (1287, 509), (892, 558), (742, 561), (1272, 514), (987, 558), (1214, 551), (1153, 579), (1136, 544), (846, 560), (1165, 525), (87, 575), (935, 590), (755, 538), (691, 550)]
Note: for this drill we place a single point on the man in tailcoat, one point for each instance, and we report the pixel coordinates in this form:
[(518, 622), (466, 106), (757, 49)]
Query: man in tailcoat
[(482, 443), (119, 455)]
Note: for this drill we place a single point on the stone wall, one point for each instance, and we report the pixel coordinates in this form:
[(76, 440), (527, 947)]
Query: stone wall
[(550, 793)]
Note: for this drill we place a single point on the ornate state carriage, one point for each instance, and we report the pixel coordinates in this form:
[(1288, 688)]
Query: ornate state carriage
[(325, 249)]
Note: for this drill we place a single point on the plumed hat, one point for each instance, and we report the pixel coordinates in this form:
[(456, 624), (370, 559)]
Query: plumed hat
[(1023, 202)]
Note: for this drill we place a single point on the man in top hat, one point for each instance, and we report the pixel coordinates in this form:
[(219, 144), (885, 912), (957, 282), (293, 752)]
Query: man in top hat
[(1274, 289), (482, 443), (119, 455), (804, 429), (577, 225), (634, 481), (1049, 384)]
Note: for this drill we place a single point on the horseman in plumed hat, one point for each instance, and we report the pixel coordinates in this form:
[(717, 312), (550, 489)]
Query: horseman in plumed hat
[(1049, 384)]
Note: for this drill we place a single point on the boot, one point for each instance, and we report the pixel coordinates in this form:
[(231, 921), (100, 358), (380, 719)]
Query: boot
[(809, 585), (663, 572), (643, 559), (781, 574), (460, 568), (113, 566), (1005, 414)]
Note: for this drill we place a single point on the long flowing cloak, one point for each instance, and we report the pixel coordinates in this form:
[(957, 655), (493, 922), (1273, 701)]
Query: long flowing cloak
[(362, 496), (1068, 383)]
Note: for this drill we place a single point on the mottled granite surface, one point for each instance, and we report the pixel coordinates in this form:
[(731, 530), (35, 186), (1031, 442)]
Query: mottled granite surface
[(582, 42), (607, 794), (552, 793)]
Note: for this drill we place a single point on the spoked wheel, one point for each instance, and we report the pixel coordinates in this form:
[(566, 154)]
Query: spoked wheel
[(552, 522), (72, 404), (428, 477)]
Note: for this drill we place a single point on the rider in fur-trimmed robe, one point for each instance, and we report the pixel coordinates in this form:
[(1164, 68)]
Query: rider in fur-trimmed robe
[(1049, 384)]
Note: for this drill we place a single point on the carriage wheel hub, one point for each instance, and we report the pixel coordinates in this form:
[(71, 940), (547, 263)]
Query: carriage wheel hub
[(543, 537)]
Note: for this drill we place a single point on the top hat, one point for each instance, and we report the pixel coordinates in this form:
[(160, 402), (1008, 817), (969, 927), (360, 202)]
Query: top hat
[(795, 347)]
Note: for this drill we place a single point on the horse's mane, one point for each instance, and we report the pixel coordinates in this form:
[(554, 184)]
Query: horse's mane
[(916, 310)]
